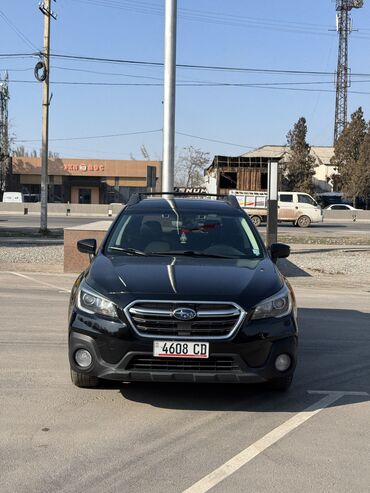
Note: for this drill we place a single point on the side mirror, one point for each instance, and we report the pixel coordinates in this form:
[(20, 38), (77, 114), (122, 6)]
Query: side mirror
[(87, 246), (279, 250)]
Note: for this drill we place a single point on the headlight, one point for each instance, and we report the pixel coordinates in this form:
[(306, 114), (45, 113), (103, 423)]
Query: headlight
[(90, 301), (277, 306)]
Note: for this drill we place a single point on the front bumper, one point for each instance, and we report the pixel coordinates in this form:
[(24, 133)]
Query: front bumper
[(251, 353)]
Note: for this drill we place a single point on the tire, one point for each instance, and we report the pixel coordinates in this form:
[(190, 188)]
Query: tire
[(280, 384), (83, 380), (303, 221), (256, 220)]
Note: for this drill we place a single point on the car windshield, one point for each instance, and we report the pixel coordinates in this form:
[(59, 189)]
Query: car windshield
[(185, 233)]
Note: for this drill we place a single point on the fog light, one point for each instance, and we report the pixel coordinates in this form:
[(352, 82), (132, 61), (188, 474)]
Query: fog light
[(283, 362), (83, 358)]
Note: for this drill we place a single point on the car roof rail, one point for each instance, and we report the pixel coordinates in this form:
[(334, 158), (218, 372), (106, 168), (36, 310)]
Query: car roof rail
[(138, 197)]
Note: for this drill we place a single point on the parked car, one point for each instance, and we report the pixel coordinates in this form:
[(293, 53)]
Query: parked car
[(182, 289), (299, 208), (341, 207), (13, 197)]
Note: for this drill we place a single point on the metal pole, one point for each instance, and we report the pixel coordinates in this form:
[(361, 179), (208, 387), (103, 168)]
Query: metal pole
[(272, 213), (169, 96), (45, 121)]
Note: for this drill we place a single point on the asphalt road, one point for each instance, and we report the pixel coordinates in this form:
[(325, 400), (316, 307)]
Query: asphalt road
[(330, 228), (168, 437)]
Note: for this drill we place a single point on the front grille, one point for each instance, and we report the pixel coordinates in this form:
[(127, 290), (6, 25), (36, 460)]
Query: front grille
[(212, 320), (213, 365)]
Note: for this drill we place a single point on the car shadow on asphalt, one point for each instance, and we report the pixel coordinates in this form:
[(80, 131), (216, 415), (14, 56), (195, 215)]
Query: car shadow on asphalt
[(289, 269), (328, 226), (333, 355), (340, 249)]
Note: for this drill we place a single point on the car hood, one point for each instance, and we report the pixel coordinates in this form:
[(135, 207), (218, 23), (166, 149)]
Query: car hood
[(124, 279)]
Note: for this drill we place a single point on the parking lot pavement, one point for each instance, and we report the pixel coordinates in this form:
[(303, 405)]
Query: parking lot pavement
[(176, 438)]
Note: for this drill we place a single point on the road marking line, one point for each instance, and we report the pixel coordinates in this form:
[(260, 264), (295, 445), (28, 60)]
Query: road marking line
[(61, 290), (239, 460), (342, 392)]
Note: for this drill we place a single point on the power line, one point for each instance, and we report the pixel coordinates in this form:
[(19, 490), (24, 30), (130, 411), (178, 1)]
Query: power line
[(222, 18), (214, 140), (93, 136), (19, 33), (202, 67), (16, 69), (106, 73), (216, 68), (15, 55), (188, 84)]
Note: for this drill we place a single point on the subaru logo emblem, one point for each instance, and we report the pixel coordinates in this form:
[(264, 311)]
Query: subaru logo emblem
[(184, 314)]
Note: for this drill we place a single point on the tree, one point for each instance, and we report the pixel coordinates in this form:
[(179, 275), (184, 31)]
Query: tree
[(4, 172), (190, 166), (145, 153), (5, 163), (362, 171), (347, 152), (20, 151), (300, 165)]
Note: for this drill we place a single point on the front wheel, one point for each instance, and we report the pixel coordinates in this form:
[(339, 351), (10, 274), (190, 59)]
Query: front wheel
[(83, 380), (256, 220), (303, 221)]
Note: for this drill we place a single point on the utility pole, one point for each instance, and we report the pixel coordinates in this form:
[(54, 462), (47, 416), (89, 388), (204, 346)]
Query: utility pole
[(45, 78), (272, 204), (4, 133), (344, 28), (168, 169)]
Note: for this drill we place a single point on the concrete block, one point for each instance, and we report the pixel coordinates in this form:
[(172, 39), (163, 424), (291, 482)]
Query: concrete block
[(74, 261), (346, 215), (61, 209)]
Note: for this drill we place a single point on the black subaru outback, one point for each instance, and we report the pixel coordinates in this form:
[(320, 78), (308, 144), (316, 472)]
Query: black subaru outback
[(182, 289)]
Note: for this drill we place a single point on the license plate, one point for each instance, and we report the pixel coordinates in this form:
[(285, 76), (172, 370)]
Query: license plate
[(179, 349)]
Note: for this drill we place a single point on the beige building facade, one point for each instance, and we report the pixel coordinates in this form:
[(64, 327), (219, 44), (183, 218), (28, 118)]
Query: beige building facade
[(87, 181)]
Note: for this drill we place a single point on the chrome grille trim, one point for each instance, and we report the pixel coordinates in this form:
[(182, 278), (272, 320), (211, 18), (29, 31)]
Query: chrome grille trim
[(152, 322), (151, 311), (220, 313)]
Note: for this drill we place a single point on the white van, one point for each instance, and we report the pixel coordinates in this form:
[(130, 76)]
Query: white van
[(300, 208), (13, 197), (296, 207)]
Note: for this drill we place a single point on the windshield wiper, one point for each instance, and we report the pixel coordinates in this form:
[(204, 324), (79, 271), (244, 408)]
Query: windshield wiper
[(190, 254), (129, 251)]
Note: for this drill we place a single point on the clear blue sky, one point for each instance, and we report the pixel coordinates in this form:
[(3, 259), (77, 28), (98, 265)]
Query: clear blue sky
[(264, 34)]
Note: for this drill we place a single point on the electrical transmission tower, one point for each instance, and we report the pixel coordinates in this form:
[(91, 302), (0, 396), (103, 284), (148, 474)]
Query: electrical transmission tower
[(344, 28), (4, 131)]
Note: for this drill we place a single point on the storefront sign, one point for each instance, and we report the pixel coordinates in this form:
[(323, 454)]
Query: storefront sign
[(84, 167)]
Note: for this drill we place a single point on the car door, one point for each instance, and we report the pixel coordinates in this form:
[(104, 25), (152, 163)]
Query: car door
[(306, 206), (286, 207)]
